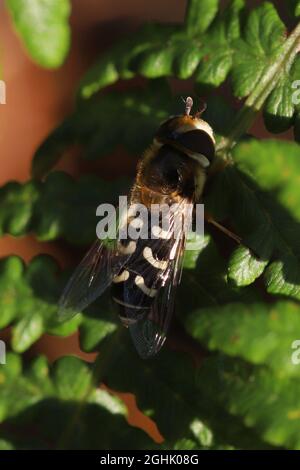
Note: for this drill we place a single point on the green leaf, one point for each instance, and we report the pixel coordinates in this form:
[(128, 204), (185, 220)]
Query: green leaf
[(279, 110), (28, 300), (5, 445), (72, 379), (200, 14), (245, 392), (27, 331), (165, 391), (116, 63), (44, 29), (14, 399), (115, 119), (294, 6), (280, 106), (244, 267), (206, 275), (262, 38), (209, 45), (273, 165), (53, 209), (131, 120), (98, 323), (201, 46), (266, 216), (64, 204), (218, 46), (31, 311), (70, 412), (15, 367), (259, 333), (16, 207), (265, 403)]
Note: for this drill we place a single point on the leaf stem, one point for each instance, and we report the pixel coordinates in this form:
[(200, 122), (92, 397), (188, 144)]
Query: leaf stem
[(256, 99)]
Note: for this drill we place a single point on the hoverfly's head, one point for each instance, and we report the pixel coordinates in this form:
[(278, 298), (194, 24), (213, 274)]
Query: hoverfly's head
[(189, 134)]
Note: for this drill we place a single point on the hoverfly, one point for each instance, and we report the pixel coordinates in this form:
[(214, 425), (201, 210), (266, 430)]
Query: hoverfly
[(144, 273)]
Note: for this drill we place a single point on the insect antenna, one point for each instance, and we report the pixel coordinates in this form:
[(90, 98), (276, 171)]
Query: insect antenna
[(188, 105), (202, 108)]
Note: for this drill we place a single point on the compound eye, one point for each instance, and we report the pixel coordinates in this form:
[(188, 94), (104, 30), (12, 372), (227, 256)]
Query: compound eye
[(197, 141)]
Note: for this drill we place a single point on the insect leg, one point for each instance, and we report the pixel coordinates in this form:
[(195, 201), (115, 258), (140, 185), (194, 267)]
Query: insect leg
[(223, 229)]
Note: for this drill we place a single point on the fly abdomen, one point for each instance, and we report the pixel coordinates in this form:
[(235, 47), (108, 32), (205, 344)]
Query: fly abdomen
[(136, 286), (132, 303)]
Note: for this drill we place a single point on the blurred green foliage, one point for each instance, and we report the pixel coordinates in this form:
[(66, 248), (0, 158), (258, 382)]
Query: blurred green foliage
[(44, 29)]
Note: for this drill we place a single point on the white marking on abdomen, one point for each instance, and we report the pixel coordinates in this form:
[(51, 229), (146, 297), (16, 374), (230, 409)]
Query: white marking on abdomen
[(121, 277), (148, 255), (129, 249), (137, 223), (139, 281), (160, 233)]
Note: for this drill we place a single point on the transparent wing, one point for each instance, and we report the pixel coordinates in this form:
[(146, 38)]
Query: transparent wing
[(149, 332), (148, 318), (93, 275), (150, 265)]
